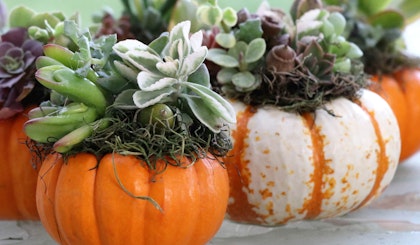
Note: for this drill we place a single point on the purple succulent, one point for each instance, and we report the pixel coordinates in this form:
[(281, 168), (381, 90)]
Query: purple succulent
[(17, 67)]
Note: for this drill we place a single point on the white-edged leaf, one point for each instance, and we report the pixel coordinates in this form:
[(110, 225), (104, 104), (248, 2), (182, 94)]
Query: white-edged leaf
[(143, 60), (204, 114), (143, 99), (201, 76), (196, 40), (124, 46), (220, 107), (193, 61), (168, 67), (126, 71), (151, 82)]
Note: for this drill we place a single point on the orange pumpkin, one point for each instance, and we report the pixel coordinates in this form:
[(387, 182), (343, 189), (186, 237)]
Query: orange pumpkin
[(84, 201), (287, 166), (401, 90), (17, 176)]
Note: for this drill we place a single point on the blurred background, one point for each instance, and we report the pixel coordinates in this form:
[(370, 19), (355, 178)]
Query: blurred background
[(86, 8)]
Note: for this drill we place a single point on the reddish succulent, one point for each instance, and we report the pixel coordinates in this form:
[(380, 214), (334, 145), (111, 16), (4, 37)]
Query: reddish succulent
[(17, 66)]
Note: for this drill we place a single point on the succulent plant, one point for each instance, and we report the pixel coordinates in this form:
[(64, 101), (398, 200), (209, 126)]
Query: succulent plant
[(77, 101), (148, 18), (128, 97), (17, 67), (297, 61), (377, 29)]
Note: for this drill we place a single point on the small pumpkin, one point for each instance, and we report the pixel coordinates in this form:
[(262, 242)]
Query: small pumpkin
[(17, 177), (378, 31), (83, 201), (310, 141), (133, 144), (18, 92), (401, 91), (286, 166)]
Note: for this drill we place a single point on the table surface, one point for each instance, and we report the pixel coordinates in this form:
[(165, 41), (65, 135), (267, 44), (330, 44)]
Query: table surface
[(394, 218)]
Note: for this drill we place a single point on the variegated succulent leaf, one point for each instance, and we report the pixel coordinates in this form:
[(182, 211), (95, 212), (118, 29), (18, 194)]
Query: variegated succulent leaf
[(172, 72)]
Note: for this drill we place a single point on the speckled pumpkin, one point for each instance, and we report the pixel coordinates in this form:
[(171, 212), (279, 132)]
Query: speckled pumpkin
[(288, 166)]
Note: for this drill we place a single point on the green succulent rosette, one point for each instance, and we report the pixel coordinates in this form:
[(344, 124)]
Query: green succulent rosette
[(152, 101)]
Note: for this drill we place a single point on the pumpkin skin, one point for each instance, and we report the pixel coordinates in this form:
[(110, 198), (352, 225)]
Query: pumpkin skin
[(81, 202), (286, 166), (17, 176), (401, 90)]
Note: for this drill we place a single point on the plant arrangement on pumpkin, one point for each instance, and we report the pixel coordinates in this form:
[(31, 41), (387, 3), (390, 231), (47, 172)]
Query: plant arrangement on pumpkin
[(20, 45), (132, 135), (311, 141), (377, 29)]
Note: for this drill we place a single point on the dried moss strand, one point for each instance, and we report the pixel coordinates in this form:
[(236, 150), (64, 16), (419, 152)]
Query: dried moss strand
[(146, 198)]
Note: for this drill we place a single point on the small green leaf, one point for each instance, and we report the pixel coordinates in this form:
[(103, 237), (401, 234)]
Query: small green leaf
[(371, 7), (159, 43), (210, 15), (388, 19), (21, 17), (221, 59), (124, 100), (65, 81), (249, 30), (255, 50), (225, 75), (338, 21), (229, 16), (226, 40), (245, 81)]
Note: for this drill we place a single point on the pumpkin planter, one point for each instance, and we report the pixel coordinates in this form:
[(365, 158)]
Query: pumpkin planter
[(133, 144), (193, 200), (401, 91), (286, 166), (378, 30), (19, 91), (311, 142), (17, 176)]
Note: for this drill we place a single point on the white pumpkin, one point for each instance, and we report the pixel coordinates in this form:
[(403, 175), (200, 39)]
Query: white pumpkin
[(287, 166)]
